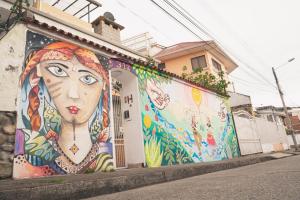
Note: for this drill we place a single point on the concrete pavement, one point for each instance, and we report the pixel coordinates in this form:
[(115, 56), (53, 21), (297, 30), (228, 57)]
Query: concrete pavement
[(276, 179), (88, 185)]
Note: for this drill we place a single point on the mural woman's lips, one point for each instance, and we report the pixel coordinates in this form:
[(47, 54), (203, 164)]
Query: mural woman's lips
[(73, 109)]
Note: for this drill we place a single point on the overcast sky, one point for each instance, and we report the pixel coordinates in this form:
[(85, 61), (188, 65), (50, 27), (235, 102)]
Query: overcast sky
[(260, 33)]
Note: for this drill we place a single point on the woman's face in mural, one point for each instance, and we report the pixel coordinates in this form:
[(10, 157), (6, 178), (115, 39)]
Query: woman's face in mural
[(74, 88)]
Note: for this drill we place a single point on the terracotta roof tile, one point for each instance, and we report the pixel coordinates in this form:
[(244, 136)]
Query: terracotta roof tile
[(126, 57), (181, 47)]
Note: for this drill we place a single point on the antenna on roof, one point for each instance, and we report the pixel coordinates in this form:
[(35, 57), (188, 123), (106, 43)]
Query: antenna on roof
[(109, 16)]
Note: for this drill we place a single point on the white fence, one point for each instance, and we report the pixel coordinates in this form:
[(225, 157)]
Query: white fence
[(290, 139), (258, 135)]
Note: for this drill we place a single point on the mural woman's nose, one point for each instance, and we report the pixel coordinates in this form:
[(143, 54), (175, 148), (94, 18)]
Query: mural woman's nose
[(73, 91)]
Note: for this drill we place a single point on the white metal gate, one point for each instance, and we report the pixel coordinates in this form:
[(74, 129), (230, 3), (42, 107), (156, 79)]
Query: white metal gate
[(119, 133), (246, 129)]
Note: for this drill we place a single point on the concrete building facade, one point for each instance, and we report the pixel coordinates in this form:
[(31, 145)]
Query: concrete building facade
[(65, 112)]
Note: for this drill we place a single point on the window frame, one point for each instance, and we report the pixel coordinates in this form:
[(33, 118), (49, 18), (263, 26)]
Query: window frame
[(217, 68), (197, 58)]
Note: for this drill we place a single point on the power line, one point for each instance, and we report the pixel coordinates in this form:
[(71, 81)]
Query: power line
[(237, 36), (182, 14), (254, 83), (170, 15), (201, 29), (257, 88), (144, 20), (219, 43), (289, 97)]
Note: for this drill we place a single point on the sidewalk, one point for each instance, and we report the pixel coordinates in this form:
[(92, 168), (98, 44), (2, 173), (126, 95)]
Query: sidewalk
[(89, 185)]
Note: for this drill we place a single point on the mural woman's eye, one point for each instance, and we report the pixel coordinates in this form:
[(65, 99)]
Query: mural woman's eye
[(57, 71), (88, 79)]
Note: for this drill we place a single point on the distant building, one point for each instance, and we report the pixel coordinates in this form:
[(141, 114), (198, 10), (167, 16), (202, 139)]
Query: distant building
[(295, 118), (240, 102), (276, 114), (190, 56), (271, 113), (144, 44)]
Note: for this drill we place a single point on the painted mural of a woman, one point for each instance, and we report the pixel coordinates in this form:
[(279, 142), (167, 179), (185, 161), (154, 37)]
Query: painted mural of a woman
[(63, 114)]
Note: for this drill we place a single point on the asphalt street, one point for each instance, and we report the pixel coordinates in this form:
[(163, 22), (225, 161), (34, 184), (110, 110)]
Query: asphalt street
[(276, 179)]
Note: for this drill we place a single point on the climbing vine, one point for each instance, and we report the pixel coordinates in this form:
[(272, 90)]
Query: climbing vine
[(207, 80), (146, 73), (17, 10)]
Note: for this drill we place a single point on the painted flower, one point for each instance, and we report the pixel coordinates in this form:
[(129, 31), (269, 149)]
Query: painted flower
[(147, 121)]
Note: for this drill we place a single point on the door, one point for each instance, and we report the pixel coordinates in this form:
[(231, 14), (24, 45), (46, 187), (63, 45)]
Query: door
[(119, 132)]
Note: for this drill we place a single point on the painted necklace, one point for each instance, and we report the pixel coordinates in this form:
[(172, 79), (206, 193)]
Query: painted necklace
[(74, 148)]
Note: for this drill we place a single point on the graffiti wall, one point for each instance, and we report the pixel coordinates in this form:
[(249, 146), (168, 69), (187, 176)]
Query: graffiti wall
[(63, 120), (182, 124)]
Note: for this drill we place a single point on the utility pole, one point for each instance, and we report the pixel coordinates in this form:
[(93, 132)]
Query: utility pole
[(288, 120)]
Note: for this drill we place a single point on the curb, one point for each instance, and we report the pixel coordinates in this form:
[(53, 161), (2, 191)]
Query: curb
[(84, 186)]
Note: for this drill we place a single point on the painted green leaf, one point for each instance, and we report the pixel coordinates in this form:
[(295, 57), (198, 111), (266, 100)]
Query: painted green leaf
[(52, 119), (152, 152)]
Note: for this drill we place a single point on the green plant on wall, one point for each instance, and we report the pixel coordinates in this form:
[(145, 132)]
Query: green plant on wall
[(207, 80), (145, 73), (169, 146), (174, 153), (153, 153), (17, 10)]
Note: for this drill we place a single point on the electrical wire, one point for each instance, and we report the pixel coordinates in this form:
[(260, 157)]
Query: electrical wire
[(145, 21), (254, 83), (201, 29), (219, 43), (236, 36), (205, 30), (256, 87)]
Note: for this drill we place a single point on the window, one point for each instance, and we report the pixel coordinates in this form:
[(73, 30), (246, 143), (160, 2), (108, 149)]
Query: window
[(198, 63), (270, 118), (216, 65)]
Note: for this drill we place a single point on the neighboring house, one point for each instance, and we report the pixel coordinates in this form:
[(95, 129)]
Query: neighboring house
[(144, 44), (256, 134), (240, 102), (294, 113), (277, 114), (78, 101), (272, 114), (191, 56)]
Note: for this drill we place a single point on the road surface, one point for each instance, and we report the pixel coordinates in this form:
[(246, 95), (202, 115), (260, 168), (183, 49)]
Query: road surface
[(276, 179)]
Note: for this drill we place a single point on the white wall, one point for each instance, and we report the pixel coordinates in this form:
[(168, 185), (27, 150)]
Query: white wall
[(12, 56), (237, 99), (259, 135), (290, 139), (272, 136), (133, 135), (247, 135)]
